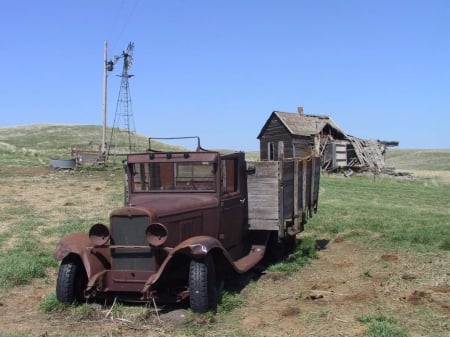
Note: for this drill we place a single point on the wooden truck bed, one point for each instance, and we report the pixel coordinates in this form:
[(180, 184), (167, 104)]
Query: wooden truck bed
[(282, 194)]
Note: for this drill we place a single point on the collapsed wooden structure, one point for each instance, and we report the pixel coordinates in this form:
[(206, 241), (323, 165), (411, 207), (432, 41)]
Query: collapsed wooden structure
[(293, 135), (88, 157)]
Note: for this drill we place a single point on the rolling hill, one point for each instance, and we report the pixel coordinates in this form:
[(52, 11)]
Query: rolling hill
[(36, 144)]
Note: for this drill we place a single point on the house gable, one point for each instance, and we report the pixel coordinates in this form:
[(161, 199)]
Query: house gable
[(275, 139)]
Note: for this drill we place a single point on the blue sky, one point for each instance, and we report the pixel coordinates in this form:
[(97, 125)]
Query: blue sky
[(218, 68)]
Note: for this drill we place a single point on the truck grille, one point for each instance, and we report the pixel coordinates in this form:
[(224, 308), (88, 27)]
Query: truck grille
[(130, 231)]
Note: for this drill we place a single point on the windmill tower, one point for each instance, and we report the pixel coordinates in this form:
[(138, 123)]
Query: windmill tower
[(123, 130)]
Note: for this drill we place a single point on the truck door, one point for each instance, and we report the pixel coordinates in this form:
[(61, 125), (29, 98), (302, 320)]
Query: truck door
[(233, 200)]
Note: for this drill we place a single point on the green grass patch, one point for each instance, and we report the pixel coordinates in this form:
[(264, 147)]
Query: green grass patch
[(380, 325), (70, 226), (305, 251), (230, 301), (24, 262), (50, 304)]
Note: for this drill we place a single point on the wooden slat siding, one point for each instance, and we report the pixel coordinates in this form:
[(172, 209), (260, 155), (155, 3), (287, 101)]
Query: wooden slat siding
[(263, 196), (317, 168), (299, 179), (309, 186), (296, 196), (302, 147), (283, 190), (303, 191), (274, 133), (341, 155), (313, 187), (287, 180), (281, 233)]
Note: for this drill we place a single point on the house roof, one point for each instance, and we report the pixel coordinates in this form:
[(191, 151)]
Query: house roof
[(301, 124)]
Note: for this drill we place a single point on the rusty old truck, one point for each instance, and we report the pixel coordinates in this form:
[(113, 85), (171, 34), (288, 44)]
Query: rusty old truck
[(190, 221)]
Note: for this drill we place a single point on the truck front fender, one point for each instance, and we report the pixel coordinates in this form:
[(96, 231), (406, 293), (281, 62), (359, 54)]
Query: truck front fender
[(196, 248), (79, 244), (72, 243)]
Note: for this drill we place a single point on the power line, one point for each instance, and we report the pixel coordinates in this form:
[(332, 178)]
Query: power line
[(125, 24)]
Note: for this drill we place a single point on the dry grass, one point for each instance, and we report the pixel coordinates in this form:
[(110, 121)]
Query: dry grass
[(419, 159), (432, 178)]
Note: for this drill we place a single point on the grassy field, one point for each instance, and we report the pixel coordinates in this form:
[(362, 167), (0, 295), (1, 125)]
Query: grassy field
[(415, 159), (407, 214), (385, 272)]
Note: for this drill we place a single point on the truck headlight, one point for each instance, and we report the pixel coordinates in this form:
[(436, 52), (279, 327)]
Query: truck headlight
[(156, 234), (99, 234)]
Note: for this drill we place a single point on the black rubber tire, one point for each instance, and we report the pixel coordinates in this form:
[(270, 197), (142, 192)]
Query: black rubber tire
[(275, 250), (71, 282), (278, 249), (203, 289), (290, 244)]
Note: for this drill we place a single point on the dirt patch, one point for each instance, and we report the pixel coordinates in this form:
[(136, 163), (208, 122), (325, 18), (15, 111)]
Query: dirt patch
[(349, 280)]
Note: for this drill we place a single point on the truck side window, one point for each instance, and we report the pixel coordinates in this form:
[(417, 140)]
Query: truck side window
[(230, 182)]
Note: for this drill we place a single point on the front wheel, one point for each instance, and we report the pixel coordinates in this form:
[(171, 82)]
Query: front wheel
[(203, 289), (71, 281)]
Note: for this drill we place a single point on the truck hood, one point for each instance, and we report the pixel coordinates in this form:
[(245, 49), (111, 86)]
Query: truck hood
[(173, 203)]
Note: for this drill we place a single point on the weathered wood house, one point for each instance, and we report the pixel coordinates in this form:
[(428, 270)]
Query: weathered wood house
[(291, 135)]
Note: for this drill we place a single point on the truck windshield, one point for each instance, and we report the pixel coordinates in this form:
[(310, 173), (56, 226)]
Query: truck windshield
[(170, 177)]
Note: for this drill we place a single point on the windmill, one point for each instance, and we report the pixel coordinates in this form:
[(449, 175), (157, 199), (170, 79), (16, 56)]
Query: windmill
[(123, 118)]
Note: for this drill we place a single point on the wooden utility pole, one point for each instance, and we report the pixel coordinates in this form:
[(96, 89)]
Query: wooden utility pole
[(105, 89)]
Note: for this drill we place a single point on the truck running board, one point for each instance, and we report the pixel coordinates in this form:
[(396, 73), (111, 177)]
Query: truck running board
[(256, 254)]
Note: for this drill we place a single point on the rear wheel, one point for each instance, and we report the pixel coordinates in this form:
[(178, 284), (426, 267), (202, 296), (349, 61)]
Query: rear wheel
[(71, 281), (290, 243), (278, 249), (203, 285)]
